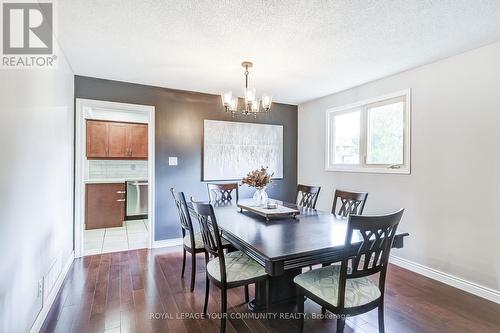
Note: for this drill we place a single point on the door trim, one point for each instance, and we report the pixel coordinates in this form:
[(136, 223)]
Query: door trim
[(80, 150)]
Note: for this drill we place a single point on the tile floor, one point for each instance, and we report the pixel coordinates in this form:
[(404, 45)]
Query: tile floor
[(133, 235)]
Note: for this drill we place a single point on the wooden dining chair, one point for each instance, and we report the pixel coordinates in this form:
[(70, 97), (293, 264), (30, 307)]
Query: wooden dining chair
[(221, 194), (226, 271), (307, 196), (349, 203), (346, 289), (191, 240)]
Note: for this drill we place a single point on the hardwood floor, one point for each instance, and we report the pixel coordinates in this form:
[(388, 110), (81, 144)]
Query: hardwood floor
[(121, 292)]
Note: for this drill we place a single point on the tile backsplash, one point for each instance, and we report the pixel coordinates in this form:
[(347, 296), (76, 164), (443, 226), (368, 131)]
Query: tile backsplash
[(113, 169)]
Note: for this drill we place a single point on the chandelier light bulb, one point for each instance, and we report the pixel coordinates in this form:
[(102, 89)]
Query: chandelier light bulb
[(249, 95), (255, 106), (267, 100), (226, 98), (233, 106)]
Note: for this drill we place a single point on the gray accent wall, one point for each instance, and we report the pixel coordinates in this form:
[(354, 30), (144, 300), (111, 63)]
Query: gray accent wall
[(179, 132)]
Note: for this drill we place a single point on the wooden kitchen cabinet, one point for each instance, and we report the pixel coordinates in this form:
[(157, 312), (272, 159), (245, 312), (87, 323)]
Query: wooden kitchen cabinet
[(104, 205), (116, 140), (138, 141), (97, 138)]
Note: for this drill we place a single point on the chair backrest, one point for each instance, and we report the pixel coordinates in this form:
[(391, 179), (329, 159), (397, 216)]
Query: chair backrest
[(349, 202), (220, 194), (210, 233), (183, 211), (307, 196), (371, 255)]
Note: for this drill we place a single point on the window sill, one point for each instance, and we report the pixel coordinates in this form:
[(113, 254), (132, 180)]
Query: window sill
[(401, 171)]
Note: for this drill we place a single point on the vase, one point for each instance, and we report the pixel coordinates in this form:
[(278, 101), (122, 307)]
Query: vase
[(260, 196)]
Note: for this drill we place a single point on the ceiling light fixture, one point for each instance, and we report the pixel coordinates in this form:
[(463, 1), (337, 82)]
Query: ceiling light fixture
[(252, 104)]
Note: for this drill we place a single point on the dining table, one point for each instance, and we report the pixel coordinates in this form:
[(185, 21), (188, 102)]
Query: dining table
[(285, 245)]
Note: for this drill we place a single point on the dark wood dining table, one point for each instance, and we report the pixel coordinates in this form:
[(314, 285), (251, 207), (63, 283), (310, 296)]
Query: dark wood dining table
[(285, 245)]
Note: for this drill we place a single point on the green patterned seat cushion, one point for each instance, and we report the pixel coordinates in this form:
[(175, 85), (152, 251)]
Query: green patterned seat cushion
[(239, 267), (324, 283), (198, 241)]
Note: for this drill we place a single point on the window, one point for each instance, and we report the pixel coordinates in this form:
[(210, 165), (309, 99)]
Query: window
[(346, 137), (370, 136)]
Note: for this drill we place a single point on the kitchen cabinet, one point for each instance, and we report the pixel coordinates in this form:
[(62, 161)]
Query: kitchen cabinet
[(116, 140), (118, 143), (97, 138), (138, 141), (104, 205)]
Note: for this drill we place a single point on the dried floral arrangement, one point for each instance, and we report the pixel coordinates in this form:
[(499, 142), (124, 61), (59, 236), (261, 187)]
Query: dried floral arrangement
[(259, 178)]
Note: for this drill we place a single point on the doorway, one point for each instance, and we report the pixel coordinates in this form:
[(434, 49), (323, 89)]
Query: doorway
[(114, 177)]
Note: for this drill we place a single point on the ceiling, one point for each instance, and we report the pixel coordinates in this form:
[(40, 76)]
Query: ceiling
[(301, 49)]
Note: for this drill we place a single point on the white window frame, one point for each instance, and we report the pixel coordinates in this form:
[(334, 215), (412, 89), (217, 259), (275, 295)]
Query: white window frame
[(362, 106)]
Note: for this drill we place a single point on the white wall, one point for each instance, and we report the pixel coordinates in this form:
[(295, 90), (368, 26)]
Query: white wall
[(36, 185), (453, 191)]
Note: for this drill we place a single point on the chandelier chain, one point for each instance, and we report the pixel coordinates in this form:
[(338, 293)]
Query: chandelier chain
[(246, 76)]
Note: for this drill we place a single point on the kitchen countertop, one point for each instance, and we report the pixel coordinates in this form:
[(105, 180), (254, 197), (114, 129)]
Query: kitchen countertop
[(113, 180)]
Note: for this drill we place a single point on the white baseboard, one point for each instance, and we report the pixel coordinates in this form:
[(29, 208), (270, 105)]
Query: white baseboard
[(167, 243), (47, 303), (470, 287)]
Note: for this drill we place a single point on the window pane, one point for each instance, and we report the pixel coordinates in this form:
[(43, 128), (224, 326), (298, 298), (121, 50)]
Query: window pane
[(346, 138), (385, 134)]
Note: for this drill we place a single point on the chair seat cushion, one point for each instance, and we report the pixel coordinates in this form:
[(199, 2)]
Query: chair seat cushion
[(198, 241), (239, 267), (324, 283)]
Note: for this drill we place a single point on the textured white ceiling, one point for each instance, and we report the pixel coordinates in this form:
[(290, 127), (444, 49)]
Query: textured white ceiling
[(301, 49)]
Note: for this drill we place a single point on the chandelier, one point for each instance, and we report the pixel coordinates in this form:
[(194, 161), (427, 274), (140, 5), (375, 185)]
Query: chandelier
[(252, 104)]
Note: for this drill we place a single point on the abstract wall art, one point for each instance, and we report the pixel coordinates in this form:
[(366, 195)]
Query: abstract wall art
[(232, 149)]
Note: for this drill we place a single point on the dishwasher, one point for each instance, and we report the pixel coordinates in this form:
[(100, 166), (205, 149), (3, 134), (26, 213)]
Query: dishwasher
[(137, 200)]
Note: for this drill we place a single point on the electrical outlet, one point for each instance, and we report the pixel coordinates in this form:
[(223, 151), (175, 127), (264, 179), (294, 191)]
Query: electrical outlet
[(40, 288)]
